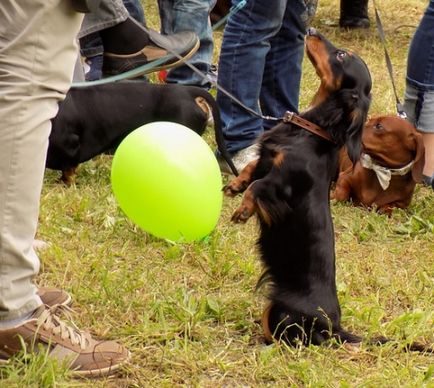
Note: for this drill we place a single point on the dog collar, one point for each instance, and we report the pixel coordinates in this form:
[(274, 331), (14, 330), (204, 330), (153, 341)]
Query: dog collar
[(384, 174), (291, 117)]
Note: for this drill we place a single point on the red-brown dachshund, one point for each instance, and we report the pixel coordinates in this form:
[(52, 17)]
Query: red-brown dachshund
[(390, 166)]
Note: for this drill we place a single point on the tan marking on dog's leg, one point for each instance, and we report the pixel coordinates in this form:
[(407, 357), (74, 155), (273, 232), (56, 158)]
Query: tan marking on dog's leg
[(246, 209), (68, 176), (266, 325), (242, 181), (262, 213)]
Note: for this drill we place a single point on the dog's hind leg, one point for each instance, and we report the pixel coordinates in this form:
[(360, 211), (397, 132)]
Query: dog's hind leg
[(342, 191), (278, 325), (68, 176)]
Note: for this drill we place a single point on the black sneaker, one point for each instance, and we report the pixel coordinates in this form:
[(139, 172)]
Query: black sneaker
[(185, 44), (354, 22)]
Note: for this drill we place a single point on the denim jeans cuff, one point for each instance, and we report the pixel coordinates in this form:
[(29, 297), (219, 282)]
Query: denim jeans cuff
[(419, 85)]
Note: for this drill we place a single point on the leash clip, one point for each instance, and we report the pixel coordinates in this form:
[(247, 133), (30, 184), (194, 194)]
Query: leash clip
[(402, 114), (287, 116), (401, 111)]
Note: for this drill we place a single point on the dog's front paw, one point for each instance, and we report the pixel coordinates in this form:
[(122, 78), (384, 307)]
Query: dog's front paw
[(234, 187), (243, 213), (242, 181)]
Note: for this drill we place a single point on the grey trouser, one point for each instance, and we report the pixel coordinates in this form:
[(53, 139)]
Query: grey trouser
[(37, 55)]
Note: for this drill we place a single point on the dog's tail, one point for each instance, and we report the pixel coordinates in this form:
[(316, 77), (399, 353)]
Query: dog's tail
[(218, 131), (278, 326), (411, 347), (352, 339)]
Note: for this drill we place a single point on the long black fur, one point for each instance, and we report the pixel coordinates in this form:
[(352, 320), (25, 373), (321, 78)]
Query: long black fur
[(289, 192), (297, 247), (95, 119), (291, 196)]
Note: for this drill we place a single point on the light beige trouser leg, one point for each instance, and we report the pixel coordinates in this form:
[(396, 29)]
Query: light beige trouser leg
[(37, 56)]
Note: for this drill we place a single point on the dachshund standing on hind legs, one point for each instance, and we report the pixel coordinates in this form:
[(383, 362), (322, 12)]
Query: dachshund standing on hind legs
[(288, 188)]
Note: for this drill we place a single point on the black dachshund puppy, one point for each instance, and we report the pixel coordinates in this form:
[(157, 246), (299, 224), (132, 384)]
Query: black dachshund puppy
[(95, 119)]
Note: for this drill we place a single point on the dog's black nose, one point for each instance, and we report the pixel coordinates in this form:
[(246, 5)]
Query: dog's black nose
[(312, 31)]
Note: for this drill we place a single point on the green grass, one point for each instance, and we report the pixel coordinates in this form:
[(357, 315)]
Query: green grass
[(189, 312)]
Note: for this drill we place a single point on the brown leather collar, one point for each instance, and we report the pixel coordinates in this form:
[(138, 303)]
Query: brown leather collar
[(291, 117)]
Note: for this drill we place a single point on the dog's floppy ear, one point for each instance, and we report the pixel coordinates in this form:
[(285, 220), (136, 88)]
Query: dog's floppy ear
[(419, 159), (358, 104)]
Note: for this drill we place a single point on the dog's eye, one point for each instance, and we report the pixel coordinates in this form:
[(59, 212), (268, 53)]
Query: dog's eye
[(378, 126), (340, 55)]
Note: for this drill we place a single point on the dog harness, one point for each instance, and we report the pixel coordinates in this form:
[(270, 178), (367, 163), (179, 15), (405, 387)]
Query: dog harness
[(384, 174)]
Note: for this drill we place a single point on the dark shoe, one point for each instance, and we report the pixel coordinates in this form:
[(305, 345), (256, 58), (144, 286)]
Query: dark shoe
[(185, 44), (428, 181), (354, 22), (86, 356), (52, 296), (354, 14)]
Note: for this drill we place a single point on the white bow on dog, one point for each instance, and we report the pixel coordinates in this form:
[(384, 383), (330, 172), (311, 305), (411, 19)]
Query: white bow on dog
[(384, 174)]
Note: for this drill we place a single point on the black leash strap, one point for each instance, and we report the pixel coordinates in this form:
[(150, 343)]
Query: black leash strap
[(224, 91), (399, 106)]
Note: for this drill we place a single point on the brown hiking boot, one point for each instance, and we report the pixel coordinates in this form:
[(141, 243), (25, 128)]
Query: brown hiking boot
[(85, 356), (52, 296)]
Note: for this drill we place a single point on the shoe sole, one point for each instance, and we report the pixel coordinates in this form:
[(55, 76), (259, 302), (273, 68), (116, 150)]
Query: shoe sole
[(104, 372), (138, 73)]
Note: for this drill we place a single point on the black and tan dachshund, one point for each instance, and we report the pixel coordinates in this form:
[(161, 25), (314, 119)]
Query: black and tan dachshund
[(95, 119), (288, 188)]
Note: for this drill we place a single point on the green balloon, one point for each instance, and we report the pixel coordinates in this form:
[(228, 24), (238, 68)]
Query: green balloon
[(167, 180)]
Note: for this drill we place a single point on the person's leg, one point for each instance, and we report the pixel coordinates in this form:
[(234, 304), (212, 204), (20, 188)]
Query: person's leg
[(37, 55), (92, 51), (282, 73), (419, 93), (92, 48), (128, 44), (189, 15), (135, 9), (419, 107), (354, 14), (109, 14), (246, 43), (32, 81)]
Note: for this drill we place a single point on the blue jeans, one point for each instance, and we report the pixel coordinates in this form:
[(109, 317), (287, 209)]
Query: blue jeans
[(91, 44), (419, 93), (189, 15), (420, 64), (260, 64)]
